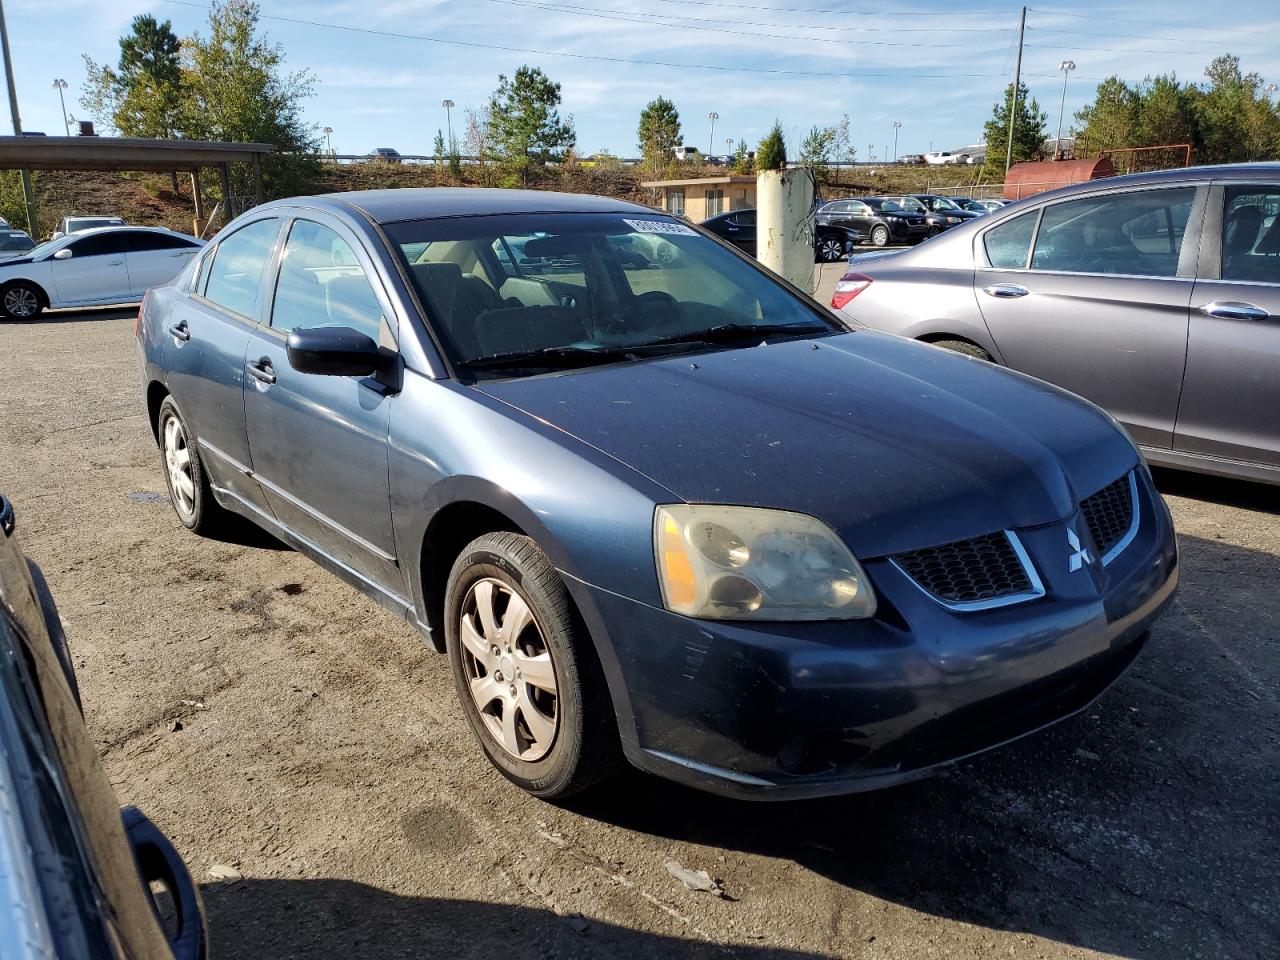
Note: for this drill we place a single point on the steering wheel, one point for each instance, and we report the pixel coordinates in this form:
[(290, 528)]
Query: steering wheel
[(644, 302)]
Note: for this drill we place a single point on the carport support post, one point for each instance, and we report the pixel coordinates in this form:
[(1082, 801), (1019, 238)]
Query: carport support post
[(257, 179), (784, 233), (28, 195), (198, 200), (224, 176)]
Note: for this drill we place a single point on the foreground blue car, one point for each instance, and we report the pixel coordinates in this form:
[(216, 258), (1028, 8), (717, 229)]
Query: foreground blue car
[(653, 502)]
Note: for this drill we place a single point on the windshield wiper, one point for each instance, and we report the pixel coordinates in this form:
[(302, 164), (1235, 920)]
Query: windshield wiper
[(547, 357), (733, 332)]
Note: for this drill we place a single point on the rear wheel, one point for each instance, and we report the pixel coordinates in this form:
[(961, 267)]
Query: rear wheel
[(21, 301), (880, 236), (965, 347), (524, 669), (830, 249), (184, 474)]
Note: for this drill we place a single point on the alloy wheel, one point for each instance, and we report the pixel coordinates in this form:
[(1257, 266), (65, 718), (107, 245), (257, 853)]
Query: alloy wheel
[(21, 302), (177, 458), (509, 670), (831, 250)]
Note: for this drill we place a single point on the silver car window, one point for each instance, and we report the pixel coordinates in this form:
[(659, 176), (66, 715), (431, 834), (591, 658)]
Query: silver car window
[(1251, 234), (1007, 244)]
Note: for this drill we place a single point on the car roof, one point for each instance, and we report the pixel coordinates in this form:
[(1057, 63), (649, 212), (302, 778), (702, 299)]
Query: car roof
[(426, 203), (1226, 171), (117, 228)]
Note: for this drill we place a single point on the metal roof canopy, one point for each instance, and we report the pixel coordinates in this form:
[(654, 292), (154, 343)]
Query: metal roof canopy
[(123, 153)]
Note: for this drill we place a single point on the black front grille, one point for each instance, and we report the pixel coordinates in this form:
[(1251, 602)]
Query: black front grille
[(1109, 514), (968, 571)]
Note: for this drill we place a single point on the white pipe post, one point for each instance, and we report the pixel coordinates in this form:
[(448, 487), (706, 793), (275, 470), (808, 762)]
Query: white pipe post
[(784, 231)]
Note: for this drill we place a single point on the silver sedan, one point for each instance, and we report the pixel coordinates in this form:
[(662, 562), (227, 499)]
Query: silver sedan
[(1157, 296)]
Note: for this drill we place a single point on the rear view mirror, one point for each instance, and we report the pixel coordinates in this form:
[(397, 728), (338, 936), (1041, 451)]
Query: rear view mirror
[(63, 254), (333, 352)]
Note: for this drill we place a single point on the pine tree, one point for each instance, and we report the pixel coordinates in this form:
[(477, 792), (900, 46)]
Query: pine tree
[(772, 152)]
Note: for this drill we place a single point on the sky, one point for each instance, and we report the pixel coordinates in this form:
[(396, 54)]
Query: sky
[(383, 66)]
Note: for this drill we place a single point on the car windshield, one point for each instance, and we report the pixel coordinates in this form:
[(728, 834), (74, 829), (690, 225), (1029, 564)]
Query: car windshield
[(14, 242), (88, 223), (47, 247), (942, 203), (507, 294)]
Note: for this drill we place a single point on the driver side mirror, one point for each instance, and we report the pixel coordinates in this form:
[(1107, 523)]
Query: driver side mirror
[(63, 254), (333, 352)]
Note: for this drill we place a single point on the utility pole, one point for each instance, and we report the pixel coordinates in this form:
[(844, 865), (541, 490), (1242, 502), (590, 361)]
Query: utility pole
[(28, 195), (1017, 83), (897, 125), (711, 143)]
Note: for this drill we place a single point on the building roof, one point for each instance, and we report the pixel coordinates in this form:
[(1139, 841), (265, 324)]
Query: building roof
[(702, 181), (122, 153), (389, 206)]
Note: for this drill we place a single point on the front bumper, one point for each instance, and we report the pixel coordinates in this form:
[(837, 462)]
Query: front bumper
[(787, 710)]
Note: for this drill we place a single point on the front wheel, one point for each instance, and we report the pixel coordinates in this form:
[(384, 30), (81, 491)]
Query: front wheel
[(830, 249), (21, 301), (523, 666), (880, 237)]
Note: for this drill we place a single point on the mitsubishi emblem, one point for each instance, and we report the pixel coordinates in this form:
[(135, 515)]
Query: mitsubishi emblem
[(1080, 556)]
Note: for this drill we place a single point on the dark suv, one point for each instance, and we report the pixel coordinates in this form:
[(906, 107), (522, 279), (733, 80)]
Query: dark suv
[(878, 220), (76, 871), (831, 242)]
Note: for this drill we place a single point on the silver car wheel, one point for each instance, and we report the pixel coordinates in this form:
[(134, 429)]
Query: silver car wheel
[(21, 302), (177, 458), (831, 250), (509, 670)]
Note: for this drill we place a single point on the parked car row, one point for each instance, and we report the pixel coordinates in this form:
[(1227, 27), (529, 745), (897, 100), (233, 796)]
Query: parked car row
[(1154, 295), (569, 479)]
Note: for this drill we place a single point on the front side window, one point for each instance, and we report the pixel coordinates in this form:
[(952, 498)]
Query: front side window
[(1007, 244), (321, 284), (239, 266), (584, 288), (1251, 234), (1134, 234)]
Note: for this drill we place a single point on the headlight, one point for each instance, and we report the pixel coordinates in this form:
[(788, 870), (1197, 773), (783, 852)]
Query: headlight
[(954, 219), (748, 563)]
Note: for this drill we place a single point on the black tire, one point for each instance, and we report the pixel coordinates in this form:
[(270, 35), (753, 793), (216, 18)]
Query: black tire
[(21, 300), (199, 512), (880, 236), (585, 748), (830, 249), (965, 347)]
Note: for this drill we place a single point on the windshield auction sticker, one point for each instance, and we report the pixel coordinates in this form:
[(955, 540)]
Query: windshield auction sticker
[(660, 226)]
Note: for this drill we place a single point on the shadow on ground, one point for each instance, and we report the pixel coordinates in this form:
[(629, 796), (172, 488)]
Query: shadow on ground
[(340, 920), (74, 316), (1245, 494), (1147, 826)]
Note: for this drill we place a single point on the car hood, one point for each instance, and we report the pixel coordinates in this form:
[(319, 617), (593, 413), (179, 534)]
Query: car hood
[(16, 260), (895, 445)]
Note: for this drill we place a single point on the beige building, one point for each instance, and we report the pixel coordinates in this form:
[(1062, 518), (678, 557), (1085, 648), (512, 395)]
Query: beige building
[(704, 197)]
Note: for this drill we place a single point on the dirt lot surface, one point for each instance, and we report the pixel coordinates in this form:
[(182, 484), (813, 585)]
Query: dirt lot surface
[(322, 754)]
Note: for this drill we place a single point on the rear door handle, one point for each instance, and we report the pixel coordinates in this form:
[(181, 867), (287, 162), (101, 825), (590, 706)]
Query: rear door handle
[(180, 331), (1234, 310), (115, 263), (261, 371), (1005, 291)]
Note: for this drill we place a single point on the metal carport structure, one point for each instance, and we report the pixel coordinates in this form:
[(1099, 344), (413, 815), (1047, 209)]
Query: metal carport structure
[(119, 154)]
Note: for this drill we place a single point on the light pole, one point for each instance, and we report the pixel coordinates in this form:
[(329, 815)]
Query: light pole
[(871, 153), (448, 120), (1270, 89), (897, 125), (711, 143), (328, 132), (61, 85), (1066, 66)]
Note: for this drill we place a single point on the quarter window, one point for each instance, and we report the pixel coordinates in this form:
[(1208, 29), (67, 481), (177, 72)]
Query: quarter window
[(239, 266), (322, 284), (1137, 234), (1008, 243), (1251, 234)]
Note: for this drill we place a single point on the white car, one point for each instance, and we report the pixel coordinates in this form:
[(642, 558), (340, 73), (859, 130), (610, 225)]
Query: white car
[(79, 224), (92, 268)]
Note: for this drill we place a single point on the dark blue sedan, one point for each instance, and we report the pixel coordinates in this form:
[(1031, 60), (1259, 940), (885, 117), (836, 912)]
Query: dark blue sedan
[(660, 508)]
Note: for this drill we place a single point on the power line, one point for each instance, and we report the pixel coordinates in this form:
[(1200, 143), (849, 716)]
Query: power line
[(369, 31), (844, 12), (1128, 36), (1072, 47), (1142, 23), (583, 12)]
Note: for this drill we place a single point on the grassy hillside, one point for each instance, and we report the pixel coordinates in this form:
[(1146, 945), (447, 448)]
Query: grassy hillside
[(152, 201)]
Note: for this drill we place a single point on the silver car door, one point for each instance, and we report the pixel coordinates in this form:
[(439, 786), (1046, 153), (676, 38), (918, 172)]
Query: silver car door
[(1231, 394), (1099, 304), (95, 271)]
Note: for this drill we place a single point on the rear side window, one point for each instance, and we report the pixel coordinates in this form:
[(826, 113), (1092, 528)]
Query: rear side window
[(1136, 234), (100, 245), (239, 265), (322, 284), (143, 241), (1251, 234), (1007, 245)]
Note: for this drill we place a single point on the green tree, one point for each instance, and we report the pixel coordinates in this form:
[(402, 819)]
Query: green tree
[(816, 150), (142, 96), (659, 134), (524, 122), (1112, 119), (1166, 113), (437, 148), (1237, 122), (1029, 131), (236, 89), (772, 152), (742, 158)]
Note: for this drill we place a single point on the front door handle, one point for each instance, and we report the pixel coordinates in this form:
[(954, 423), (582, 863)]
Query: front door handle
[(1234, 310), (179, 330), (115, 263), (1005, 291), (261, 371)]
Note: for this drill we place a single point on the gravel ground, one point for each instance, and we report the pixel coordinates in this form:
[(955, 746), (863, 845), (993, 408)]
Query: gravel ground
[(321, 753)]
